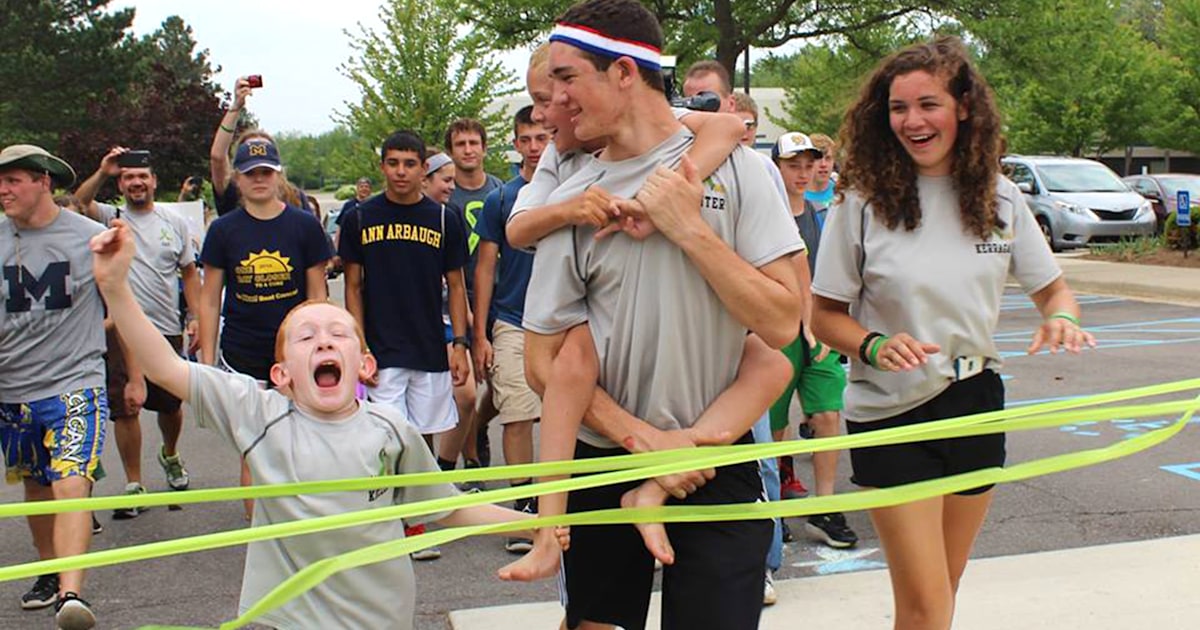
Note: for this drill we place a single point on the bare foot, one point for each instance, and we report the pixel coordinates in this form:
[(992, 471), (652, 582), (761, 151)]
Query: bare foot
[(654, 535), (540, 563)]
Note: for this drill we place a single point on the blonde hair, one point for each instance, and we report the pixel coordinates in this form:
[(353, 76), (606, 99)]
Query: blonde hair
[(824, 143), (743, 102), (540, 56)]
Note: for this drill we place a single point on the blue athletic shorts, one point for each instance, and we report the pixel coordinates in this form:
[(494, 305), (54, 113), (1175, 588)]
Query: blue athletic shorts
[(54, 438)]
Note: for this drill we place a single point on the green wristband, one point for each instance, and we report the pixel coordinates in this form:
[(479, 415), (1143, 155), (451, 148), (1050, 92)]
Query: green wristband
[(1067, 316), (227, 129), (874, 352)]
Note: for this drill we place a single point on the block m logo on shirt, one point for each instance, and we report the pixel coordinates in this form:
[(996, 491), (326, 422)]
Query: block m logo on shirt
[(24, 287)]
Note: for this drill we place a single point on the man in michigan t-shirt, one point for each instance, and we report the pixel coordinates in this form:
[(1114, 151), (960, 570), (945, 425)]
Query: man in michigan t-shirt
[(397, 248)]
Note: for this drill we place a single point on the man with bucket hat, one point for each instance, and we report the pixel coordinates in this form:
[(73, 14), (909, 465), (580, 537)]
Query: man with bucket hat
[(53, 403)]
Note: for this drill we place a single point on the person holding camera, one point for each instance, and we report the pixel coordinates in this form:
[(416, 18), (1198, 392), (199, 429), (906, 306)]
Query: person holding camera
[(164, 253)]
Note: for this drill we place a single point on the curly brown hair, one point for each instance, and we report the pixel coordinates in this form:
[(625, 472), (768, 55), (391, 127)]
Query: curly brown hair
[(877, 165)]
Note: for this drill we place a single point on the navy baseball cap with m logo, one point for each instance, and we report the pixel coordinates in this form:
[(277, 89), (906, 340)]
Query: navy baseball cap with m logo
[(255, 153)]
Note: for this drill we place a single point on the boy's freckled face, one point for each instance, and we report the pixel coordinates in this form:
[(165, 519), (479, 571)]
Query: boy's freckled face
[(322, 358)]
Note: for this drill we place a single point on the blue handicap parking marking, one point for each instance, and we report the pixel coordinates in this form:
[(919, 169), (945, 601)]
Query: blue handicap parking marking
[(1191, 471)]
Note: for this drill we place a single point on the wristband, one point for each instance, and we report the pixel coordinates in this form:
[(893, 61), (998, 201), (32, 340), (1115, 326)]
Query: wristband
[(879, 341), (461, 341), (1067, 316), (866, 346), (227, 129)]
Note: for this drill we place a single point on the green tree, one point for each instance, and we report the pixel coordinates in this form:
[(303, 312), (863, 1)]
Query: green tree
[(170, 106), (56, 56), (821, 81), (422, 68), (1180, 37), (1073, 78), (724, 29), (332, 157)]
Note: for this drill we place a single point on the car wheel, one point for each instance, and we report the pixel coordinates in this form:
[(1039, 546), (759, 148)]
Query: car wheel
[(1048, 234)]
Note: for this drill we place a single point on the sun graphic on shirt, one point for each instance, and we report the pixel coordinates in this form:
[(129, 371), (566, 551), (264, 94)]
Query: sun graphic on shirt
[(268, 262)]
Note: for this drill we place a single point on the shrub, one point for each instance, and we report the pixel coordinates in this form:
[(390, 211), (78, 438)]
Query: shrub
[(344, 193), (1178, 237)]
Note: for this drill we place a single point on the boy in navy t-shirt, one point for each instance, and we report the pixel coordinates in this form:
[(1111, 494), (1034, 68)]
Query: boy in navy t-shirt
[(396, 248), (267, 256)]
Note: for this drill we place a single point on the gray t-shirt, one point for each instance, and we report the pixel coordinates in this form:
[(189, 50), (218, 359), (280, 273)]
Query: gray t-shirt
[(52, 330), (937, 283), (163, 248), (667, 345), (282, 445)]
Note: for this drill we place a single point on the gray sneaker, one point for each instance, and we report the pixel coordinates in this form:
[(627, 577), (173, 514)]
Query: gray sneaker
[(177, 475), (124, 514)]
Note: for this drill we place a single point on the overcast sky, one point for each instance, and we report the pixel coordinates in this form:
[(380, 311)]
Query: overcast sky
[(296, 46)]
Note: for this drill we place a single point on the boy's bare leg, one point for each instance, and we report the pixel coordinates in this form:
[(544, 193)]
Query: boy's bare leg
[(567, 393)]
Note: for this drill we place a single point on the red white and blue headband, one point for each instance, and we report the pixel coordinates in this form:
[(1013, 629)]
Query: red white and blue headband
[(595, 42)]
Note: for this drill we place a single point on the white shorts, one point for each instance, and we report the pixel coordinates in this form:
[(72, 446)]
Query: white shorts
[(425, 397)]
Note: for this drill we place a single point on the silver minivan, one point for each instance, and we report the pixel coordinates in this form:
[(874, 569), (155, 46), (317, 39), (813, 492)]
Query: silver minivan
[(1078, 202)]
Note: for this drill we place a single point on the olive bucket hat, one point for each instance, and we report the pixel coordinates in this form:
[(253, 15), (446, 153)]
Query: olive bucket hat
[(34, 158)]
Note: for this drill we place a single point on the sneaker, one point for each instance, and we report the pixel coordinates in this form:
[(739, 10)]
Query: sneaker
[(769, 594), (73, 613), (786, 532), (789, 486), (832, 530), (43, 593), (805, 431), (124, 514), (421, 555), (96, 526), (521, 545), (471, 487), (177, 475)]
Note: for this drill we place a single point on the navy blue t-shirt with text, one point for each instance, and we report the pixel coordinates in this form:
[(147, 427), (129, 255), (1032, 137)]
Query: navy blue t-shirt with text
[(404, 250), (264, 264), (515, 266)]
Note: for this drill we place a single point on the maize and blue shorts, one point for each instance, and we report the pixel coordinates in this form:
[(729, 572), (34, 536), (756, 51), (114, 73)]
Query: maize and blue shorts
[(54, 438)]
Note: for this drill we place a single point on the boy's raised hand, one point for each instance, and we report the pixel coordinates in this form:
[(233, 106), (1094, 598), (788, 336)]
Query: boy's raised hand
[(112, 253)]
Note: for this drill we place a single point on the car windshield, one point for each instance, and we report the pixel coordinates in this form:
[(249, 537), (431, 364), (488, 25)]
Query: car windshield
[(1175, 184), (1080, 178)]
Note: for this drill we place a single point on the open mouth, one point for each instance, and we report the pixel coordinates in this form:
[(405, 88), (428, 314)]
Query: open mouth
[(921, 141), (327, 374)]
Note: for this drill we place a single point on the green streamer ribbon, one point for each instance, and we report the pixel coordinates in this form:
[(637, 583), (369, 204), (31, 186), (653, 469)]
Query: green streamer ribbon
[(610, 470)]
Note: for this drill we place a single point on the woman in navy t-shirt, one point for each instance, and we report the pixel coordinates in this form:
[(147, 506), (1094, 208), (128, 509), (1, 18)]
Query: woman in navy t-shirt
[(267, 256)]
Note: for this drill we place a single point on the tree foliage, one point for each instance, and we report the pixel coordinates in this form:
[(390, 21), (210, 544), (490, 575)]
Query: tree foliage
[(421, 69), (77, 83), (332, 157), (724, 29)]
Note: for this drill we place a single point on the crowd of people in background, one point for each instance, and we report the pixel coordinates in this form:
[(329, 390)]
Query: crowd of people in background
[(645, 280)]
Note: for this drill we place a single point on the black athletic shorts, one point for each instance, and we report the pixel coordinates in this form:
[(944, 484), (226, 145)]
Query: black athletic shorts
[(716, 582), (898, 464), (258, 367)]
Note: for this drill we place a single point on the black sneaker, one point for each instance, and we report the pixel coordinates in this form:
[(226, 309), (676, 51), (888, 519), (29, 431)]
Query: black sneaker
[(73, 613), (786, 532), (43, 593), (521, 545), (471, 487), (832, 530), (96, 526)]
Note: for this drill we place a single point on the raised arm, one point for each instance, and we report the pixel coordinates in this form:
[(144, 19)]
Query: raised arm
[(218, 154), (86, 193), (112, 254), (717, 135)]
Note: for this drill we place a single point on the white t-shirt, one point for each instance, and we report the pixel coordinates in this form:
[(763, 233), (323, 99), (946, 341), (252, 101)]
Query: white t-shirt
[(283, 445), (937, 283), (163, 248)]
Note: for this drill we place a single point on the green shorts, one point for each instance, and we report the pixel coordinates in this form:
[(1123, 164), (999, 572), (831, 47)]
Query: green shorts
[(819, 383)]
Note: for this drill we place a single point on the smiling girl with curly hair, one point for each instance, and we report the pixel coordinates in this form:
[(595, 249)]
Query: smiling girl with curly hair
[(910, 275)]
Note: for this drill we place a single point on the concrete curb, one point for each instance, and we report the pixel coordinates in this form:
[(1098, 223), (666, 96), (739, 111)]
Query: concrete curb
[(1168, 284), (1146, 584)]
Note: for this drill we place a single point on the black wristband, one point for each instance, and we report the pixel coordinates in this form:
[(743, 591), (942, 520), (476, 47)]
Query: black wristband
[(461, 341), (866, 346)]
